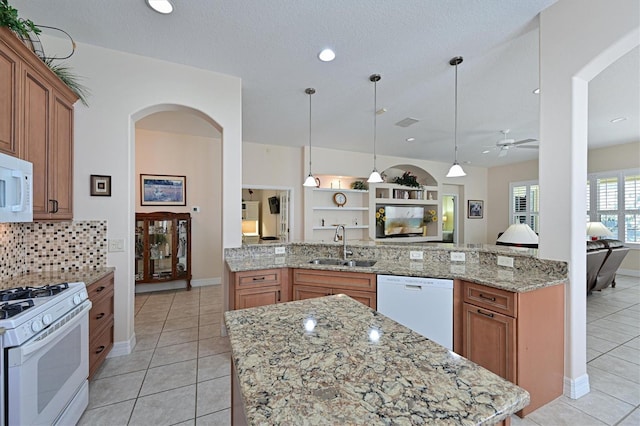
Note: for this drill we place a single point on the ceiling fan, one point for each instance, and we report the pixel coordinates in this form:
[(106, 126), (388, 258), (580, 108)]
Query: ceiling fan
[(505, 144)]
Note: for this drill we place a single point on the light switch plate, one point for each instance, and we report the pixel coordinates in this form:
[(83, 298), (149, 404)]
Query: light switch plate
[(505, 261), (280, 250), (458, 256), (416, 255), (116, 245)]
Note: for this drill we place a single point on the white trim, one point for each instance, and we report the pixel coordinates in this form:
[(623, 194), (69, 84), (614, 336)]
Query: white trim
[(577, 388), (124, 347), (176, 285), (629, 272)]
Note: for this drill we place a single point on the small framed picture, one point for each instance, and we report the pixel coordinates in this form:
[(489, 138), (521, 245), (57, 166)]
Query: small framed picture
[(100, 186), (163, 190), (475, 209)]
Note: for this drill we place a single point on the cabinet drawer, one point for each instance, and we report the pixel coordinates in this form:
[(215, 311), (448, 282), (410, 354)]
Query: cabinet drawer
[(100, 288), (335, 279), (494, 299), (99, 348), (258, 278), (101, 313)]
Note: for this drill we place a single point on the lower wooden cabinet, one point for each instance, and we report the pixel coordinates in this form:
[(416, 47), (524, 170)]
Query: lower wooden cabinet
[(100, 321), (310, 283), (249, 289), (518, 336)]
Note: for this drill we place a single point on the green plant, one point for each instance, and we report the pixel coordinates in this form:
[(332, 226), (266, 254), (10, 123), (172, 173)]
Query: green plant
[(9, 18), (70, 79), (359, 185), (407, 179)]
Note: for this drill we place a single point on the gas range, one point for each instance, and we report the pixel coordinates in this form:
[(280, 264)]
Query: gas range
[(26, 311)]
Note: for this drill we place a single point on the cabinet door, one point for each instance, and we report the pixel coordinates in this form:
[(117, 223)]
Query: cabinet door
[(301, 292), (60, 159), (37, 96), (9, 81), (489, 339), (364, 297), (257, 297)]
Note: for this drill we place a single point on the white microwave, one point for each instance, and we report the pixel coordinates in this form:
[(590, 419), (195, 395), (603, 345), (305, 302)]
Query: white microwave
[(16, 189)]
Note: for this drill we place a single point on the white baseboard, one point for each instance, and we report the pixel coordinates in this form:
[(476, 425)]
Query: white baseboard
[(629, 272), (176, 285), (577, 388), (123, 348)]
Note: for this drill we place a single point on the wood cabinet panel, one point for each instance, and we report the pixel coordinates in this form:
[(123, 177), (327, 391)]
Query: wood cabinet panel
[(257, 297), (101, 294), (9, 89), (60, 185), (490, 340), (490, 298), (364, 297), (258, 278), (249, 289), (99, 348), (302, 292), (310, 283)]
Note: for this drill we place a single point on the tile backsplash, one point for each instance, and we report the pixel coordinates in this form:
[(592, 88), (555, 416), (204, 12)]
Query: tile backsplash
[(51, 246)]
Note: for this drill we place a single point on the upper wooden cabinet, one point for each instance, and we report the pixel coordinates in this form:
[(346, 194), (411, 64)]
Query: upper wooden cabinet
[(36, 124)]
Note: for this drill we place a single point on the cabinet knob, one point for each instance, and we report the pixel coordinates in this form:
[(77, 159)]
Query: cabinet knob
[(99, 289), (100, 349), (100, 315)]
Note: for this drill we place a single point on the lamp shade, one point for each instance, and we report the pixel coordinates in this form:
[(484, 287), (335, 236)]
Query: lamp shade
[(310, 181), (597, 229), (375, 177), (456, 171), (518, 234)]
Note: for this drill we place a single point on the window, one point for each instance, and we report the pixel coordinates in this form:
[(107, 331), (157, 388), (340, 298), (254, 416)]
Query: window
[(525, 199), (613, 198)]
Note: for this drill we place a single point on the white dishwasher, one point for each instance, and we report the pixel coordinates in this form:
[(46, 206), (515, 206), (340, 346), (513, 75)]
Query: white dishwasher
[(425, 305)]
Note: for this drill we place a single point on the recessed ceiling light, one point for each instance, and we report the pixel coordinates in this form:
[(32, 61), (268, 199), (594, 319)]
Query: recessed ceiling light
[(619, 119), (381, 111), (161, 6), (327, 55), (486, 151), (411, 139), (536, 91)]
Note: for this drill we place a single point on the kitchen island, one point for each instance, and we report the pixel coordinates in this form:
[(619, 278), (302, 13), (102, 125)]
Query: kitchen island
[(332, 360)]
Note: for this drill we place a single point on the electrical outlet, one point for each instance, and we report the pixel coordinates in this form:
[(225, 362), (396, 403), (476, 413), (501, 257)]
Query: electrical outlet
[(280, 250), (505, 261), (457, 256), (116, 245), (416, 255), (195, 209)]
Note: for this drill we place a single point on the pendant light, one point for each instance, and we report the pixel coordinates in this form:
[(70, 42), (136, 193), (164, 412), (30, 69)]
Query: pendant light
[(374, 177), (310, 181), (456, 169)]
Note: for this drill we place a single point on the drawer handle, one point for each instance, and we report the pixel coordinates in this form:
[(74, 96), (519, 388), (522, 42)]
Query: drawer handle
[(412, 287), (258, 278), (482, 296), (485, 314), (100, 315), (278, 295), (100, 349), (99, 289)]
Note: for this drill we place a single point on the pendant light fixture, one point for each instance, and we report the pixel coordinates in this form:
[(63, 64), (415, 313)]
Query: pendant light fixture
[(456, 169), (310, 181), (375, 177)]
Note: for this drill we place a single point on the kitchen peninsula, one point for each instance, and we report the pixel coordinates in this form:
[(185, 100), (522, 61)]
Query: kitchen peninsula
[(332, 360), (508, 319)]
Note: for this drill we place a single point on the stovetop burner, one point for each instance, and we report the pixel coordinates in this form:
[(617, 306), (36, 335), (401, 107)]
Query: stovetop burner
[(32, 292), (9, 309)]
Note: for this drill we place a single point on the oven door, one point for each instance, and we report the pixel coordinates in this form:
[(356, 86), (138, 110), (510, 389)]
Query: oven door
[(45, 373)]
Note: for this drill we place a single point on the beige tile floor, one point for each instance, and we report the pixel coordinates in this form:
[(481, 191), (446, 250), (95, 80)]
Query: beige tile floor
[(178, 373)]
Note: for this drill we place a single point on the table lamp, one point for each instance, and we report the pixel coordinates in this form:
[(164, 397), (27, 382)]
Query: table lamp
[(597, 230), (519, 234)]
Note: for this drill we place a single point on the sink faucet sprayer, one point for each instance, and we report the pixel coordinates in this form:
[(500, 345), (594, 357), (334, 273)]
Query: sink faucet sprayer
[(345, 252)]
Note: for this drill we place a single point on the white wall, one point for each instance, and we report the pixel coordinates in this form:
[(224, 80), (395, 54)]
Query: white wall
[(124, 88), (605, 31), (198, 159)]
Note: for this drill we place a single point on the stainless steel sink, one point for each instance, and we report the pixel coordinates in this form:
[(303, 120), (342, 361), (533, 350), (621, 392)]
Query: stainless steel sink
[(338, 262), (361, 263), (327, 261)]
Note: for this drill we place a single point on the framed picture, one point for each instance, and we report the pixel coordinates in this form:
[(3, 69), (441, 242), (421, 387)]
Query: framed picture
[(475, 209), (100, 186), (163, 190)]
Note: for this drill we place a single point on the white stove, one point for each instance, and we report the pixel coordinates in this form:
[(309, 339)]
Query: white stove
[(45, 325)]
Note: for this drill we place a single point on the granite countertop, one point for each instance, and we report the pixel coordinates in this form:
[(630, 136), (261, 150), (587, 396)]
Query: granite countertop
[(339, 373), (509, 279), (88, 276)]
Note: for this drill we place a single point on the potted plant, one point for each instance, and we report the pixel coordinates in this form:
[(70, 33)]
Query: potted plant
[(9, 18), (407, 179)]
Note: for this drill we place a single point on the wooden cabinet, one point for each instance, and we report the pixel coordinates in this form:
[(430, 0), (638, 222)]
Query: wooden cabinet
[(163, 247), (100, 321), (249, 289), (37, 107), (518, 336), (309, 283)]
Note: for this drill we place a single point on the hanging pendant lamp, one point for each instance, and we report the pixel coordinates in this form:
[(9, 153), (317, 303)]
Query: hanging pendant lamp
[(310, 181), (456, 169), (374, 177)]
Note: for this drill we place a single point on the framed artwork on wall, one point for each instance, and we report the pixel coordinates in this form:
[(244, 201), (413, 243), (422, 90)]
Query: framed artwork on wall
[(475, 209), (163, 190), (100, 186)]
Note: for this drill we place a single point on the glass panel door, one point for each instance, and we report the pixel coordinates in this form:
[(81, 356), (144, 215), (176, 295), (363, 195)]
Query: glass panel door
[(182, 248), (160, 249), (139, 242)]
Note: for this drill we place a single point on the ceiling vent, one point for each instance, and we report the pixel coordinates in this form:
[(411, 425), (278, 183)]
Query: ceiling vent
[(407, 122)]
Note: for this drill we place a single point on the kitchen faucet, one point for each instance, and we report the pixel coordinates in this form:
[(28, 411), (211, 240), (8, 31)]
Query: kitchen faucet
[(345, 252)]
